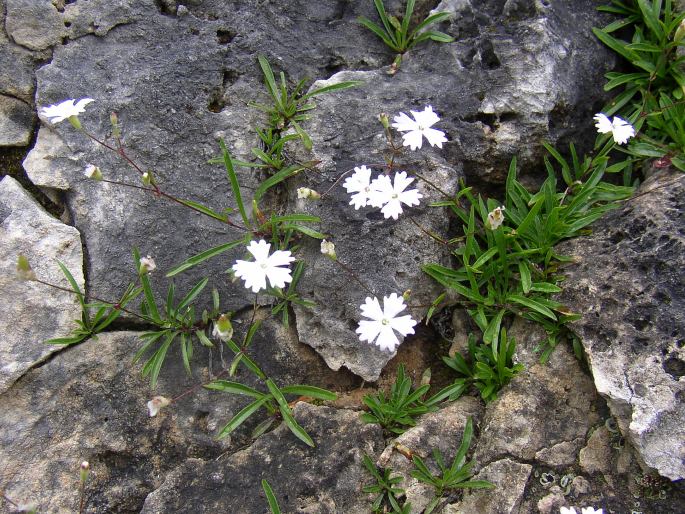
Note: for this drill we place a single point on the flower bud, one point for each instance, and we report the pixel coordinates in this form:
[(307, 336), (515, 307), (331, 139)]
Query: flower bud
[(147, 264), (114, 120), (75, 122), (308, 194), (223, 328), (495, 218), (406, 295), (85, 469), (679, 33), (24, 270), (93, 172), (156, 404), (147, 178), (328, 249), (385, 121)]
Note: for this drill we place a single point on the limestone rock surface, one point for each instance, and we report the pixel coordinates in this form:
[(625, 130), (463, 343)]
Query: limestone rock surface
[(16, 122), (628, 284), (32, 312)]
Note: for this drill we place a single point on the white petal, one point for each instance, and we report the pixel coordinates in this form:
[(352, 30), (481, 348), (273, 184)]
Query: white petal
[(435, 137), (411, 197), (81, 104), (359, 199), (372, 309), (252, 273), (404, 325), (280, 258), (368, 330), (393, 305), (359, 180), (603, 124), (426, 118), (381, 191), (567, 510), (278, 277), (401, 181), (404, 123), (387, 339), (392, 209), (260, 250), (413, 139), (622, 130)]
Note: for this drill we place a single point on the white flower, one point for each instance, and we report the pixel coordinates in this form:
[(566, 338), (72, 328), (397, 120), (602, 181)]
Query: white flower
[(567, 510), (307, 194), (383, 322), (328, 249), (255, 273), (156, 404), (392, 196), (359, 183), (147, 264), (93, 172), (591, 510), (419, 127), (495, 218), (64, 110), (223, 328), (620, 129)]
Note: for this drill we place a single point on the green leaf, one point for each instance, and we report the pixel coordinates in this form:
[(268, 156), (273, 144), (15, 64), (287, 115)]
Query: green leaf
[(333, 87), (491, 334), (531, 304), (275, 179), (240, 418), (203, 209), (306, 218), (484, 258), (271, 498), (227, 386), (270, 81), (153, 366), (545, 287), (616, 45), (201, 257), (233, 179), (306, 390), (192, 294), (305, 230), (651, 18), (524, 271), (287, 414)]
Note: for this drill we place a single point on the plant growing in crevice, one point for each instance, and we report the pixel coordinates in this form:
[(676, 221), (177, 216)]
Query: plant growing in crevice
[(396, 34), (491, 365), (449, 478), (388, 494), (398, 411)]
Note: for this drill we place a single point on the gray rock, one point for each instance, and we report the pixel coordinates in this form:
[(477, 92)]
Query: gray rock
[(595, 457), (33, 313), (16, 70), (50, 162), (34, 25), (563, 454), (543, 406), (16, 122), (326, 479), (510, 479), (628, 286)]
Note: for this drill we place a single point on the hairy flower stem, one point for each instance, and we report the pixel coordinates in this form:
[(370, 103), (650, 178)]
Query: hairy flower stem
[(155, 189), (354, 276)]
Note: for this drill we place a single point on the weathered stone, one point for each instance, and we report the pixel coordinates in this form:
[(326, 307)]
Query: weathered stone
[(628, 286), (34, 24), (544, 405), (325, 480), (51, 161), (560, 455), (595, 457), (16, 122), (509, 478), (16, 70), (32, 312), (440, 430)]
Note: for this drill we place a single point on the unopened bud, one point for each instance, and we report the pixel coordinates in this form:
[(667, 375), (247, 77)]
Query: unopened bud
[(223, 328), (114, 120), (93, 172), (308, 194), (75, 122), (328, 249), (395, 67), (147, 264), (679, 33), (406, 295), (495, 218), (85, 469), (156, 404), (385, 121), (24, 270), (147, 178), (28, 508)]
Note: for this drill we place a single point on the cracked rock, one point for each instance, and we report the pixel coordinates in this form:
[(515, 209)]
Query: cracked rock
[(16, 122), (32, 312), (628, 284), (326, 479)]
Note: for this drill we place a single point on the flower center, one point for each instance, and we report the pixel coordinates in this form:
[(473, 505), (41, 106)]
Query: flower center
[(395, 196), (385, 321), (367, 189), (263, 265)]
